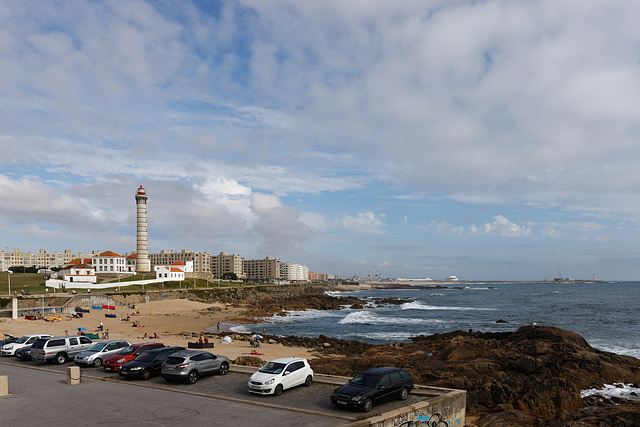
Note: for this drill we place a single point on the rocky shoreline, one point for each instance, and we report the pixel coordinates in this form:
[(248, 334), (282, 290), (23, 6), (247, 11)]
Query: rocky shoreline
[(529, 377)]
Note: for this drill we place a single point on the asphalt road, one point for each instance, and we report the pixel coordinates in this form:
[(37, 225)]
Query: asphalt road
[(39, 395)]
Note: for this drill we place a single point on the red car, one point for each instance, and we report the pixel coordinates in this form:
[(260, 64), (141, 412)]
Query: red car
[(113, 362)]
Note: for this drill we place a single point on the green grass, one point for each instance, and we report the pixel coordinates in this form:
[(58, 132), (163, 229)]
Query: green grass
[(34, 283)]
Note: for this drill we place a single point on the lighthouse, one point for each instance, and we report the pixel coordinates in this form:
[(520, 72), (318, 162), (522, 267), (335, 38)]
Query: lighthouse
[(142, 249)]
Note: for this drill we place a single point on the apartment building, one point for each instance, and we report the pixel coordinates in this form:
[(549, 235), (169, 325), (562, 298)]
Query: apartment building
[(201, 260), (41, 259), (261, 269), (294, 272)]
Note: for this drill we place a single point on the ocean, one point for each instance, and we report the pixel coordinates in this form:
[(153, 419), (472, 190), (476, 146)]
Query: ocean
[(605, 314)]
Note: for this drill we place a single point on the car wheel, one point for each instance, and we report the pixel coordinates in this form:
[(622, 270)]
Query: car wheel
[(278, 390), (224, 368), (367, 405), (404, 393), (193, 377), (308, 381), (145, 374), (61, 358), (97, 362)]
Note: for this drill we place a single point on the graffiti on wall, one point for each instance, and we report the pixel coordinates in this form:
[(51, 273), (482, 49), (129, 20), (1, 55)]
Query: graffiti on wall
[(426, 420)]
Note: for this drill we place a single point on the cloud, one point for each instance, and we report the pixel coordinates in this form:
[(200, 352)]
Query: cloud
[(364, 222), (501, 227), (445, 227), (280, 227)]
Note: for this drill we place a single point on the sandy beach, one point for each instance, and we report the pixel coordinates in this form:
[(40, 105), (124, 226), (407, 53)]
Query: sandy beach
[(169, 319)]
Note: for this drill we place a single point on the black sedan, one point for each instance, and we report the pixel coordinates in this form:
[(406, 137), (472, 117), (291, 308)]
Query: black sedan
[(147, 364), (372, 387), (24, 353)]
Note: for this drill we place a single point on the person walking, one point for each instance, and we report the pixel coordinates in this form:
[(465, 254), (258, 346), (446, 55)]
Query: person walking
[(2, 338)]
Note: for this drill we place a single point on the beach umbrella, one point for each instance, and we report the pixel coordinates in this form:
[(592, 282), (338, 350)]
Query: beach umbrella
[(81, 329), (255, 336)]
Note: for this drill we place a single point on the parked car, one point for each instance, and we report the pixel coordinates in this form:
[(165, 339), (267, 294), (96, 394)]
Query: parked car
[(8, 339), (189, 365), (59, 349), (281, 374), (147, 364), (372, 386), (82, 310), (97, 353), (27, 340), (24, 353), (113, 362)]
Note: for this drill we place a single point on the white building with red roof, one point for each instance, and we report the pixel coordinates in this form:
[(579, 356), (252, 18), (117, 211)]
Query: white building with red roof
[(109, 262), (174, 271)]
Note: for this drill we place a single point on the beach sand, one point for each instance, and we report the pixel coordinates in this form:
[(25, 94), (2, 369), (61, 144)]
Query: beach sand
[(170, 319)]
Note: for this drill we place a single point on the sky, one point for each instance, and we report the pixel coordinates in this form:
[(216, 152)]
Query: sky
[(491, 140)]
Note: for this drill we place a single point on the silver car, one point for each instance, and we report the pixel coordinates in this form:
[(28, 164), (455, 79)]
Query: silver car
[(95, 355), (189, 365)]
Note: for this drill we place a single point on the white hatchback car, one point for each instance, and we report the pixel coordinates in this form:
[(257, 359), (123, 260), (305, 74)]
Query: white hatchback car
[(281, 374), (27, 340)]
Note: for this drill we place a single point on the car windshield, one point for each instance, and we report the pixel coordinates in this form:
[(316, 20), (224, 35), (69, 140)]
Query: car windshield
[(365, 379), (174, 360), (97, 347), (272, 368), (128, 350), (22, 340), (144, 357)]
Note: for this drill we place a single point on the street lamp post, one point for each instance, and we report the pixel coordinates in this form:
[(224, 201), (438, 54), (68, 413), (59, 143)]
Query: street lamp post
[(9, 280)]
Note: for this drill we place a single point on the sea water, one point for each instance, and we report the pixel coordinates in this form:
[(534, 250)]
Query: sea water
[(605, 314)]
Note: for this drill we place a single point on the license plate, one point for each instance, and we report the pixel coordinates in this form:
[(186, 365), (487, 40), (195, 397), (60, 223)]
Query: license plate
[(342, 402), (170, 369)]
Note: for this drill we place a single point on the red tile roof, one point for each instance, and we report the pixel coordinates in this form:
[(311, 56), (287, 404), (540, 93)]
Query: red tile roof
[(109, 253)]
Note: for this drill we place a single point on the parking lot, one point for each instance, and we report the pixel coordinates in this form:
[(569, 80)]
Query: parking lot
[(301, 403)]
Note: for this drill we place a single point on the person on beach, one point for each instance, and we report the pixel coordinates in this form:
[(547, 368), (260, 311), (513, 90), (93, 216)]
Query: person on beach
[(200, 340), (218, 327)]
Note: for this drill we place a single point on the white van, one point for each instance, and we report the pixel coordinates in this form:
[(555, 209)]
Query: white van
[(10, 349)]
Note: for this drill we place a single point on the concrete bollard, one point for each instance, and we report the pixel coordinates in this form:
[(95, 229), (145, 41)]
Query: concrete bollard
[(4, 385), (73, 375)]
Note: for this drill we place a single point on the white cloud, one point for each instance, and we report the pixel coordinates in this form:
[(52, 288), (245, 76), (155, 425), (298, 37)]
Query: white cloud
[(445, 227), (364, 222), (501, 227)]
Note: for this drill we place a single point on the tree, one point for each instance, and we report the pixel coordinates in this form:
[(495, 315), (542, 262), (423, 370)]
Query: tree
[(230, 276)]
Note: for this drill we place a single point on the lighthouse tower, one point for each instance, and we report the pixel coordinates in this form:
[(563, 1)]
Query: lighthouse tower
[(142, 250)]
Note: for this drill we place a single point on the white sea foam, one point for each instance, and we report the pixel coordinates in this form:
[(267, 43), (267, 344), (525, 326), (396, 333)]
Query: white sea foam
[(365, 317), (419, 306), (240, 329), (387, 336), (300, 315), (437, 295), (610, 390)]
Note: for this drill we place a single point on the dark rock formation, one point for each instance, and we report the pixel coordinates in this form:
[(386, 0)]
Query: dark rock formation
[(525, 377)]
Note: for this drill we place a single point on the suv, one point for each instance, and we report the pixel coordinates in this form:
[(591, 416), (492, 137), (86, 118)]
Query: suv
[(95, 355), (147, 364), (280, 374), (27, 340), (372, 386), (59, 349), (113, 362), (189, 365)]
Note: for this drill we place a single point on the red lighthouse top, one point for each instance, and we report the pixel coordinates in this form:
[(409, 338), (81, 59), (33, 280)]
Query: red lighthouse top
[(141, 191)]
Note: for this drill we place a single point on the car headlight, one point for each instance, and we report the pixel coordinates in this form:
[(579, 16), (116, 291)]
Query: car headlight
[(356, 399), (136, 368), (269, 381), (120, 360)]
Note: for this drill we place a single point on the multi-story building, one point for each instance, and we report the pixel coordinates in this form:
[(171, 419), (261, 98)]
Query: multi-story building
[(294, 272), (201, 260), (224, 263), (109, 262), (317, 277), (41, 259), (261, 269)]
